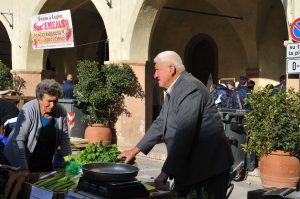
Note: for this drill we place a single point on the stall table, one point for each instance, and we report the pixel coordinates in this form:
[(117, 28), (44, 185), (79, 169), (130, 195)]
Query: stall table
[(19, 100)]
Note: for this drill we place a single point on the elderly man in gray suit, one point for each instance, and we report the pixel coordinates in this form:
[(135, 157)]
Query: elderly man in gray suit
[(199, 156)]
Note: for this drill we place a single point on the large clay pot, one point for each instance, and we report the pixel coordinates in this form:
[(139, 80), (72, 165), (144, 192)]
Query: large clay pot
[(279, 170), (98, 132)]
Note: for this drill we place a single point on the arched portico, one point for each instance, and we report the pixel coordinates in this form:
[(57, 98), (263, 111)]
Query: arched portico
[(248, 36), (143, 29), (90, 43), (201, 58), (5, 46)]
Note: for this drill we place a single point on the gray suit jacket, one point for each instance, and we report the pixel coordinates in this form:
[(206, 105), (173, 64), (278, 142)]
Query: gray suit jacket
[(191, 127)]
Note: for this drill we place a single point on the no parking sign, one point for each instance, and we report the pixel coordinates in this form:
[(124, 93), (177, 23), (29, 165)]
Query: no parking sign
[(295, 30)]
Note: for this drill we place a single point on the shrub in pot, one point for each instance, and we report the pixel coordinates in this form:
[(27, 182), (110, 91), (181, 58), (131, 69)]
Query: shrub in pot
[(10, 82), (273, 125), (101, 89)]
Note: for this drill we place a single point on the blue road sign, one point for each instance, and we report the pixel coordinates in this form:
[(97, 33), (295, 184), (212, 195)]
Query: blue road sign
[(295, 30)]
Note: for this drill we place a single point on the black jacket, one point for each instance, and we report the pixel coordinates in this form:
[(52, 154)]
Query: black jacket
[(8, 110)]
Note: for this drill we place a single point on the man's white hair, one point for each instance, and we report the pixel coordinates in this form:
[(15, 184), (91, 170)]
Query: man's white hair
[(170, 57)]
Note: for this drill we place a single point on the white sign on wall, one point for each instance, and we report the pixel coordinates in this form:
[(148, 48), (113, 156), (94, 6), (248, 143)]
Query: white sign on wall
[(293, 66), (293, 58), (52, 30), (293, 50)]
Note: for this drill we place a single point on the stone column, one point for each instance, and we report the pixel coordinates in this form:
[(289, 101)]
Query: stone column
[(32, 78), (293, 81)]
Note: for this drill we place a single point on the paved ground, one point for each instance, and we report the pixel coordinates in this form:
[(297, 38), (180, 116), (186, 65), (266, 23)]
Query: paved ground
[(150, 168)]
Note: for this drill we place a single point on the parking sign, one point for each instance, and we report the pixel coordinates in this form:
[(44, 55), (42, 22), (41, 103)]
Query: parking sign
[(293, 66)]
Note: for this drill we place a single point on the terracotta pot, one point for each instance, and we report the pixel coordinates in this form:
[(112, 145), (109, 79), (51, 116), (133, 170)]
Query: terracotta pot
[(279, 170), (98, 132)]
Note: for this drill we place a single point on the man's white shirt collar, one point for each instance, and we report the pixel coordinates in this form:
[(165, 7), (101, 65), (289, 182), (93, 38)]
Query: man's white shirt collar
[(169, 90)]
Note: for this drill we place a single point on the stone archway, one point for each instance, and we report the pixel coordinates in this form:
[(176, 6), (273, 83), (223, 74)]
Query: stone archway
[(5, 47), (147, 17), (33, 64), (90, 40), (201, 58)]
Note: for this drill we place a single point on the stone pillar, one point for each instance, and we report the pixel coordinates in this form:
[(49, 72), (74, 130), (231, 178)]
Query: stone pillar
[(130, 129), (293, 81), (32, 78)]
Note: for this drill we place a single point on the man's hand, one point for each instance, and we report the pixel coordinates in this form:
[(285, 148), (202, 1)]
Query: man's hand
[(161, 180), (129, 154)]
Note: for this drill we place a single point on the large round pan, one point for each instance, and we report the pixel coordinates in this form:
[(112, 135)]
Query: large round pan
[(111, 172)]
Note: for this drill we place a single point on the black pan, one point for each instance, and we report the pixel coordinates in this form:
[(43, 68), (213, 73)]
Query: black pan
[(112, 172)]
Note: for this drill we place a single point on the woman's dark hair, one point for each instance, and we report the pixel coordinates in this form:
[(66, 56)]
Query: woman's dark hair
[(243, 80), (269, 86), (282, 78), (251, 84), (48, 86)]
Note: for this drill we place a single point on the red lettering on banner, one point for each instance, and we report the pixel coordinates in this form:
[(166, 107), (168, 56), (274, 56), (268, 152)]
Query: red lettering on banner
[(56, 24), (36, 27)]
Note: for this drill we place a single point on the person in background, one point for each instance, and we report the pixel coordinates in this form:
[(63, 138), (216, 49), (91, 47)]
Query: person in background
[(232, 100), (242, 92), (230, 85), (270, 86), (8, 114), (251, 84), (282, 84), (199, 156), (41, 130), (219, 95), (68, 87)]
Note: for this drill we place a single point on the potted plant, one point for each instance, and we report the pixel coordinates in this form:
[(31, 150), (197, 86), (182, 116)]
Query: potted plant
[(273, 126), (18, 84), (101, 90), (10, 82)]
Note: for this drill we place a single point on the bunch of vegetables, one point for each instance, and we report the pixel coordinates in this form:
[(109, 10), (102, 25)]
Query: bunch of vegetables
[(64, 180), (59, 182), (96, 152)]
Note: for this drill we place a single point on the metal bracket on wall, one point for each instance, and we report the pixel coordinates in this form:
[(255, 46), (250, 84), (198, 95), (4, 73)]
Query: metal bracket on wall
[(5, 15), (109, 3)]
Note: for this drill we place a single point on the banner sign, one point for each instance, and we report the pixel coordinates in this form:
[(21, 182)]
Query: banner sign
[(52, 30)]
